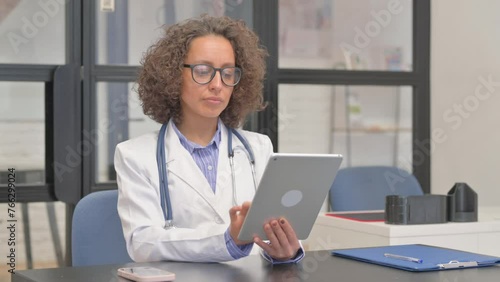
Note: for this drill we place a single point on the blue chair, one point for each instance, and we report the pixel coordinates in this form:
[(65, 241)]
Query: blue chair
[(365, 187), (97, 235)]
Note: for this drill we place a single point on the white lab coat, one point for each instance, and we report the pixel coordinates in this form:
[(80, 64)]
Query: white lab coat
[(200, 215)]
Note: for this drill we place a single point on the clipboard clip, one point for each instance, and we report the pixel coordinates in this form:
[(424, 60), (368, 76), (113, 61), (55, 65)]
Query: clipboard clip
[(457, 264)]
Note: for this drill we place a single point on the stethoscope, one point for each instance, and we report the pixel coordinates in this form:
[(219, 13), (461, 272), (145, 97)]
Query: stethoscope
[(166, 205)]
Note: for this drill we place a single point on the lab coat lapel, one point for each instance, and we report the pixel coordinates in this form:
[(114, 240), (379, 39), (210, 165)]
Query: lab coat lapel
[(182, 165)]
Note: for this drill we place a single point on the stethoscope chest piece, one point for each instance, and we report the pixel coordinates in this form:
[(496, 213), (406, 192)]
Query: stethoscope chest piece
[(169, 224)]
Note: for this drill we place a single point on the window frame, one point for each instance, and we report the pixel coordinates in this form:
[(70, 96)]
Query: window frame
[(80, 54)]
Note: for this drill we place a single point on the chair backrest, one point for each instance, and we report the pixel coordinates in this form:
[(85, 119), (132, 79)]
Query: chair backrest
[(97, 235), (365, 187)]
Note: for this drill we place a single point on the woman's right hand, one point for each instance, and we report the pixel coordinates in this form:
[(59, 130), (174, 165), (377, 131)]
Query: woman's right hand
[(238, 214)]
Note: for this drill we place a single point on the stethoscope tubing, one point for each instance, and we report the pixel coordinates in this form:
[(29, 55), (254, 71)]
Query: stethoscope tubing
[(162, 172)]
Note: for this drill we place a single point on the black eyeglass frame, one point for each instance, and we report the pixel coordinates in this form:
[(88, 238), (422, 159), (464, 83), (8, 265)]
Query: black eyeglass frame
[(215, 70)]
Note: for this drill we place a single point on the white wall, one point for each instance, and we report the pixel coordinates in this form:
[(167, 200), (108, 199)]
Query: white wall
[(465, 47)]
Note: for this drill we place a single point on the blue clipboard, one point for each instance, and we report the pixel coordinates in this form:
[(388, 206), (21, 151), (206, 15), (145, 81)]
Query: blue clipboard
[(418, 257)]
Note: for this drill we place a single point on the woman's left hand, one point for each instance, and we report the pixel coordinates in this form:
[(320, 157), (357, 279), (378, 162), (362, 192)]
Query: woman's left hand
[(283, 243)]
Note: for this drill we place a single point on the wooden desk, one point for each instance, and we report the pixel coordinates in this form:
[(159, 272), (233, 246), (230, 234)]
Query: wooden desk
[(316, 267), (337, 233)]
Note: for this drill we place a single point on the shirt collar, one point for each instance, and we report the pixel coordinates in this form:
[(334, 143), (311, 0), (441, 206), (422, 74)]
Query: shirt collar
[(191, 146)]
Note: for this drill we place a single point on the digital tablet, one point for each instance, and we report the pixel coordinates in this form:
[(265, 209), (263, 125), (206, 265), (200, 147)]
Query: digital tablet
[(293, 186)]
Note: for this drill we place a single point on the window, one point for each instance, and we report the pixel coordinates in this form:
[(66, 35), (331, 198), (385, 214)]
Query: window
[(368, 49)]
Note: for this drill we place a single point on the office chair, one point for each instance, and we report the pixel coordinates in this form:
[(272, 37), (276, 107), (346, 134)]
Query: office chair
[(97, 235), (365, 187)]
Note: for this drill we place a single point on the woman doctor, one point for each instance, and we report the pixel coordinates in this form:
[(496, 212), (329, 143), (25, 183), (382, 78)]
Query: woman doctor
[(200, 80)]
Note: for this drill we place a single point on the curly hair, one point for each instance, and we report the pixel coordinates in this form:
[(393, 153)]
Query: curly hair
[(159, 81)]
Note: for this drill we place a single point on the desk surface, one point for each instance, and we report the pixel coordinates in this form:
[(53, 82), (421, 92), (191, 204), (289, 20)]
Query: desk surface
[(317, 266)]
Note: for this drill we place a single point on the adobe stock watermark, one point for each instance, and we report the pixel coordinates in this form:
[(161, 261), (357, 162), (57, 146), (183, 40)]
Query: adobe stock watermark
[(32, 24), (455, 116), (74, 156), (393, 177), (280, 120), (90, 139), (373, 28), (482, 92)]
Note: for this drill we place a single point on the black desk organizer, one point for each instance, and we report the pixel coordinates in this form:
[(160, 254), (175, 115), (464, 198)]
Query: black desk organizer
[(460, 205)]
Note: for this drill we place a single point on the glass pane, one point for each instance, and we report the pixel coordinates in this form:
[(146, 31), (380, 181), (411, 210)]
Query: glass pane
[(22, 123), (346, 34), (32, 32), (125, 32), (119, 118), (368, 125)]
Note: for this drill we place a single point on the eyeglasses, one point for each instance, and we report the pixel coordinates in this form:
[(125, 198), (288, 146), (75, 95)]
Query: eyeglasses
[(203, 74)]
